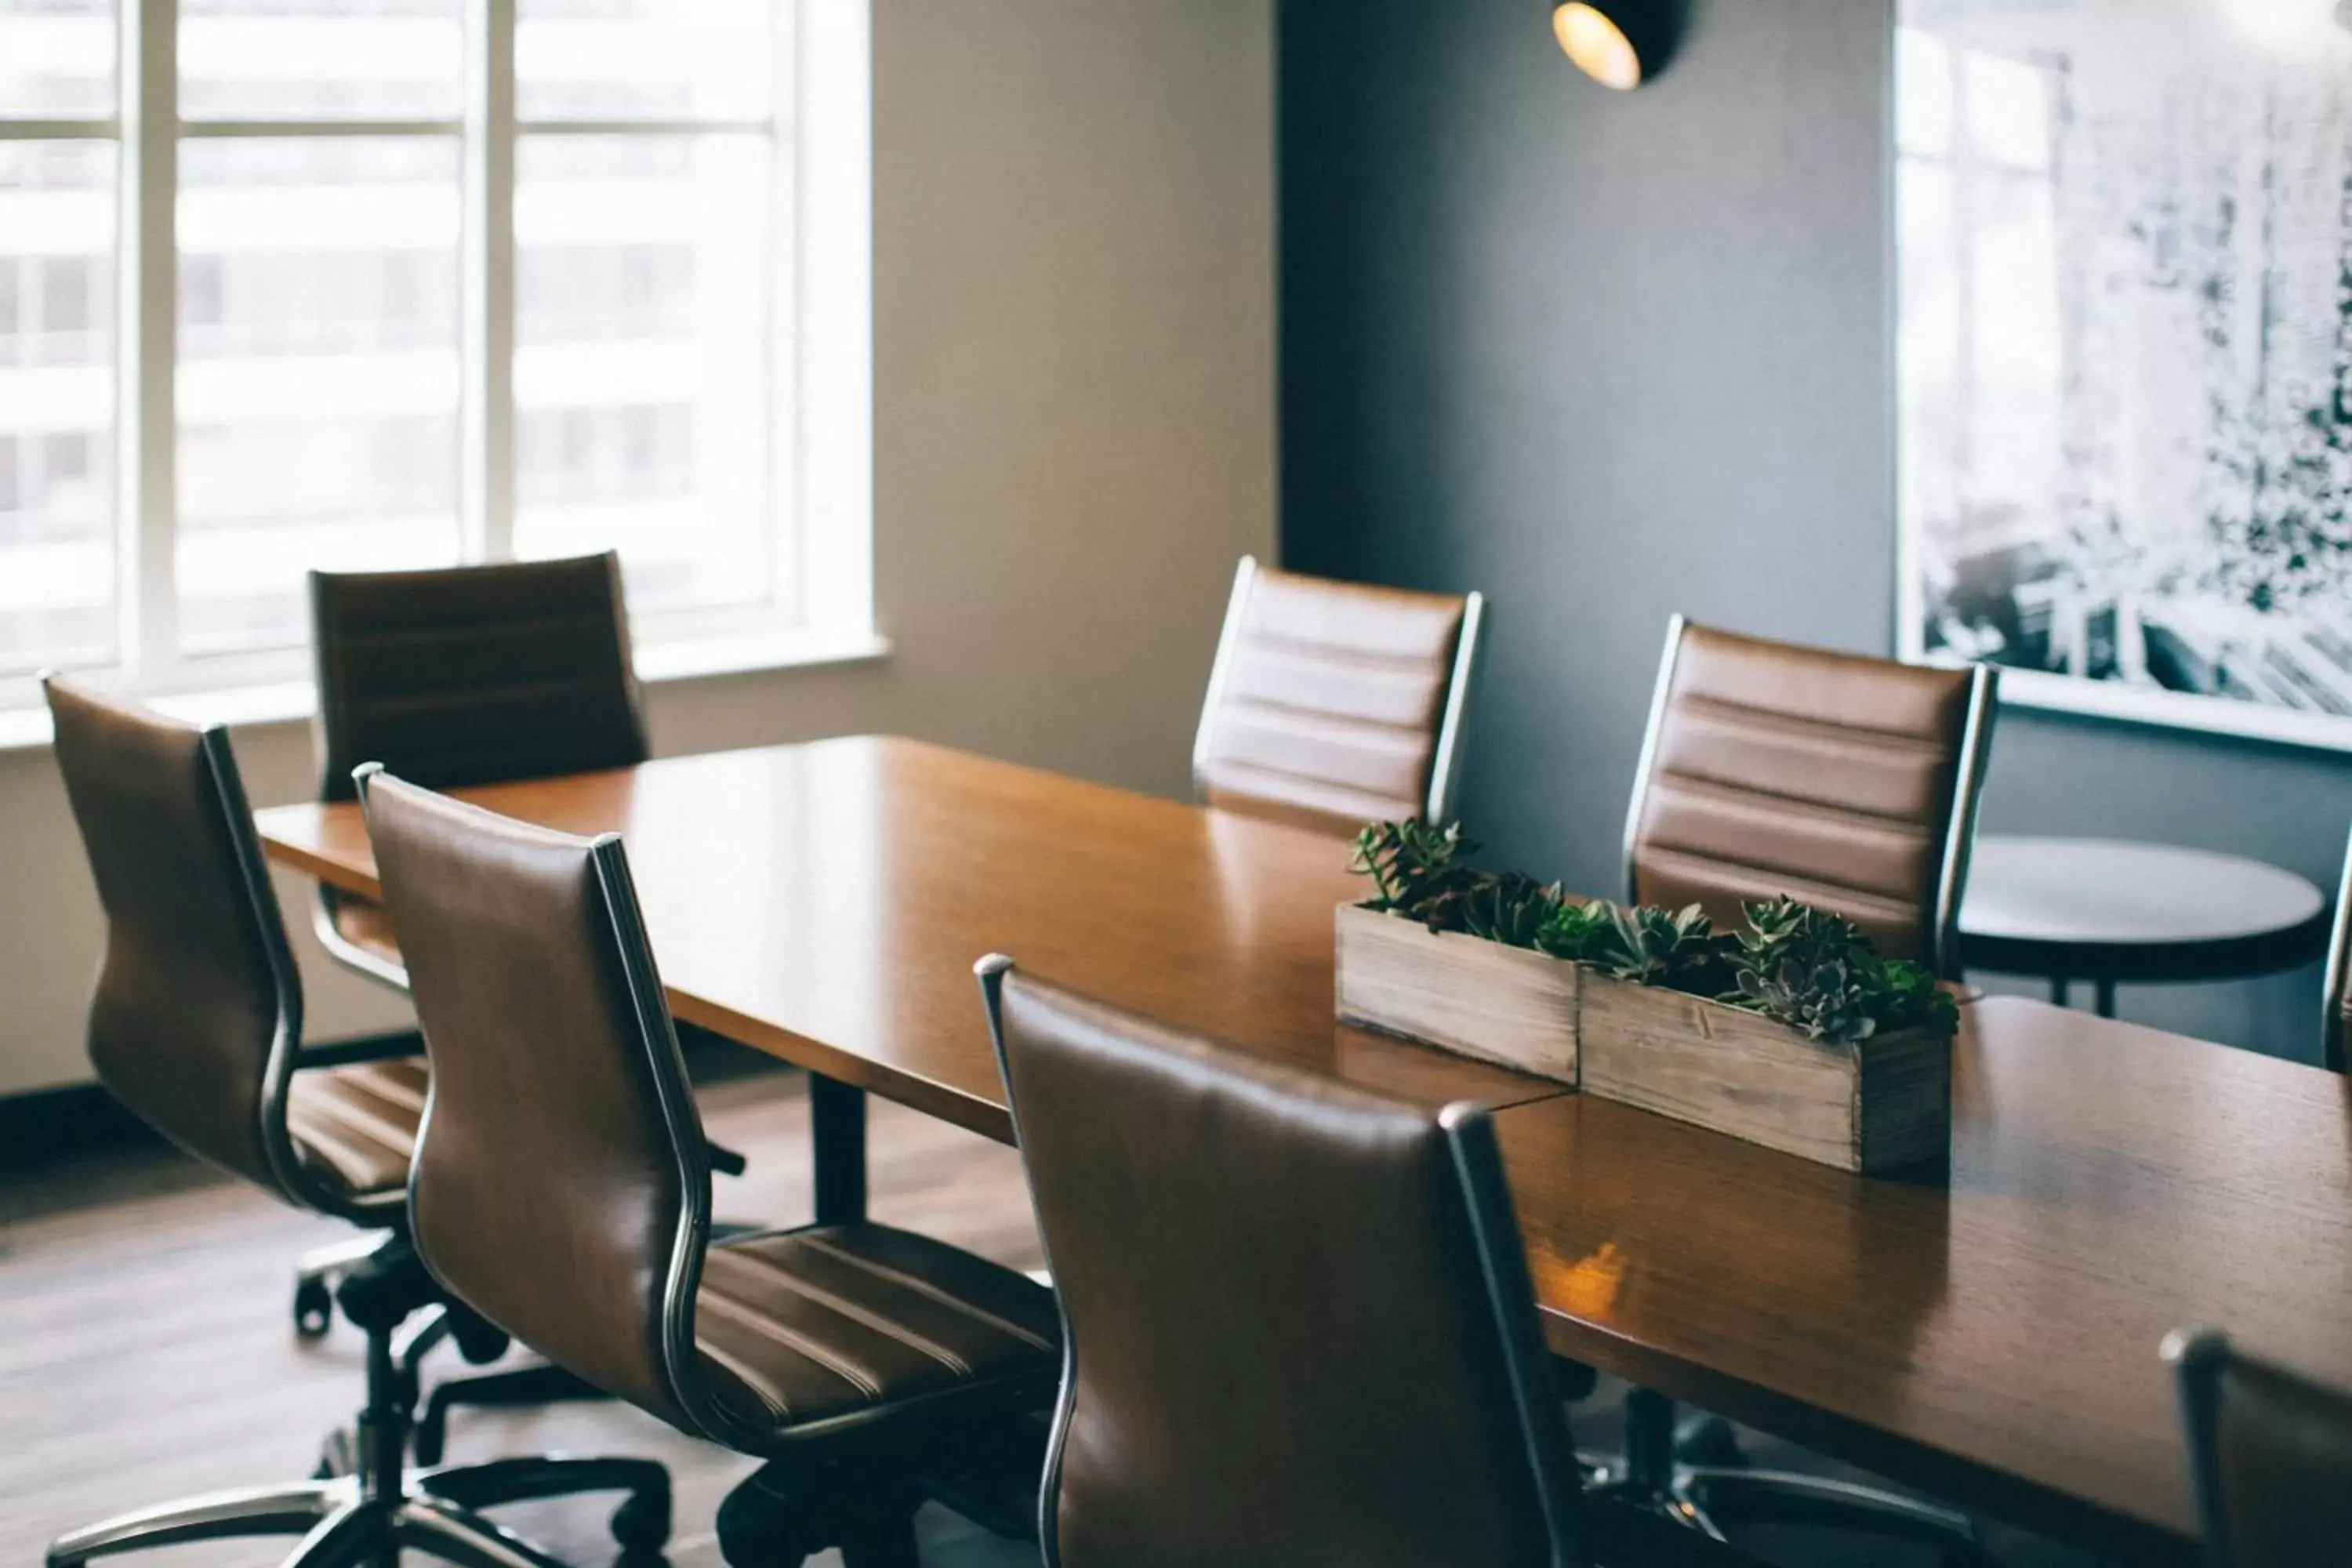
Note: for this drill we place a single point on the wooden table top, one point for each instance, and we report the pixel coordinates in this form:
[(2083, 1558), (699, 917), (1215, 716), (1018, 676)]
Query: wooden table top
[(1994, 1342), (1995, 1339), (825, 903)]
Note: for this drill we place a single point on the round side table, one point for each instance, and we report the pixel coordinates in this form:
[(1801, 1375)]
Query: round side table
[(2106, 911)]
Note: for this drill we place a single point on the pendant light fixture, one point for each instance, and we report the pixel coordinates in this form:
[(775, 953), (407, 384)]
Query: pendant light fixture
[(1617, 43)]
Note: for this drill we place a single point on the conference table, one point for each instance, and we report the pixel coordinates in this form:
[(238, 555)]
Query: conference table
[(1987, 1333)]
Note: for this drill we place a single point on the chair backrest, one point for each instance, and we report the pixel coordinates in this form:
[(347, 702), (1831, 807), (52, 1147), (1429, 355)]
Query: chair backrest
[(2270, 1455), (197, 1010), (1299, 1322), (476, 674), (560, 1186), (1848, 782), (1334, 704), (2336, 1000)]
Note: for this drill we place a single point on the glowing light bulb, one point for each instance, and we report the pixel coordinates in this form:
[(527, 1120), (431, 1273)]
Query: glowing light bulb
[(1599, 47)]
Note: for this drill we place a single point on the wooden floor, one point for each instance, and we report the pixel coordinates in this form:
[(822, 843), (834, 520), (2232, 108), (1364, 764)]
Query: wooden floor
[(146, 1352)]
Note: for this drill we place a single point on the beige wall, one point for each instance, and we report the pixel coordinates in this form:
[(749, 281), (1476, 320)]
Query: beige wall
[(1074, 439)]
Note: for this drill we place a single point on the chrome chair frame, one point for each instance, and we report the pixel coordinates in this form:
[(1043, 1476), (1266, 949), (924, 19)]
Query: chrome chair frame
[(1659, 1469), (657, 1033), (1452, 729), (2196, 1357), (359, 960), (2332, 1031)]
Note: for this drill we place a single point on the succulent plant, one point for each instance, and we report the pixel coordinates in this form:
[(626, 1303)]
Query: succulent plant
[(1914, 999), (1512, 908), (1815, 971), (1410, 862), (1809, 968), (1678, 948), (1446, 908), (1576, 930)]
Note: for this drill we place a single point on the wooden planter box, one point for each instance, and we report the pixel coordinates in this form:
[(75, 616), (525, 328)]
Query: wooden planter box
[(1463, 994), (1884, 1104), (1880, 1106)]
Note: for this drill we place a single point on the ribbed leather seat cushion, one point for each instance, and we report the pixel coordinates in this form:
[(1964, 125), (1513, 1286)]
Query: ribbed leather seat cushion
[(801, 1325), (356, 1126)]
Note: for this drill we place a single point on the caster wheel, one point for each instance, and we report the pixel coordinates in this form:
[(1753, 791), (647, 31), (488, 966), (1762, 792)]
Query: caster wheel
[(314, 1308), (641, 1524), (338, 1456)]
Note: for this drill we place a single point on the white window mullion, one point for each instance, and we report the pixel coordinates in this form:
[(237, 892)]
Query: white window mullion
[(147, 434), (788, 572), (488, 484), (311, 130), (828, 132)]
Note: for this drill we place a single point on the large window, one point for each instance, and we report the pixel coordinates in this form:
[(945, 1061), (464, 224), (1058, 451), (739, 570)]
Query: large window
[(363, 284)]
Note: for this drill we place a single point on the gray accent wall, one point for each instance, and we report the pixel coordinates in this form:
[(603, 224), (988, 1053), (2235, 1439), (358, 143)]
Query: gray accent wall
[(1608, 356)]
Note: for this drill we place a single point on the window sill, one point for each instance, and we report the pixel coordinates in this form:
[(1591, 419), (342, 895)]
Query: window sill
[(662, 663)]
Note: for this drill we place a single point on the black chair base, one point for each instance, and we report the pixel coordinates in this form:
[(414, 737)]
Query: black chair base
[(379, 1506), (1618, 1536), (522, 1388), (345, 1520), (1652, 1479)]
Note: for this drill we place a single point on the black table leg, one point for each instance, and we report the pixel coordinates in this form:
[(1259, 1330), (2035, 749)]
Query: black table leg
[(2060, 986), (2106, 993), (838, 1129)]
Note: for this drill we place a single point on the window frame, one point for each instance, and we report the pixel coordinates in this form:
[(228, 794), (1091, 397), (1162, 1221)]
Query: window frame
[(819, 603)]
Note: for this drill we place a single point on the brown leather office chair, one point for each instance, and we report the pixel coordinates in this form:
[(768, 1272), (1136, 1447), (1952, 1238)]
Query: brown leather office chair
[(470, 675), (563, 1189), (2270, 1455), (1850, 782), (1298, 1323), (1334, 704), (196, 1025), (2335, 997)]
